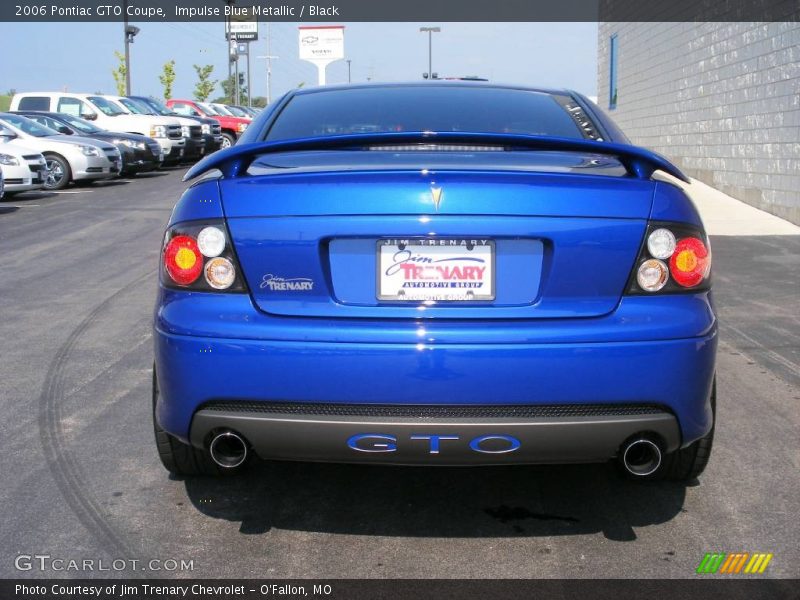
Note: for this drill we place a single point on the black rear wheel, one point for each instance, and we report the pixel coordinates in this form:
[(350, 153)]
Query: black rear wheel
[(686, 464), (179, 458)]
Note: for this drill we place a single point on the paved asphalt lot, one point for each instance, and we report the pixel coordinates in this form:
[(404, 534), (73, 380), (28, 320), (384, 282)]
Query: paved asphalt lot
[(80, 476)]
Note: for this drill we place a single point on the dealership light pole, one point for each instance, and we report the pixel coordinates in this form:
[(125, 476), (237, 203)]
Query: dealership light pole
[(130, 33), (348, 70), (430, 31), (269, 56)]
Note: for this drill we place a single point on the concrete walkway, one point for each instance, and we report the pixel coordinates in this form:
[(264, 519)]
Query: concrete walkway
[(724, 215)]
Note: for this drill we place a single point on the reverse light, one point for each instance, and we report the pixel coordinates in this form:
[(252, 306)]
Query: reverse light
[(220, 273), (182, 260), (661, 243), (211, 241), (652, 275), (690, 263)]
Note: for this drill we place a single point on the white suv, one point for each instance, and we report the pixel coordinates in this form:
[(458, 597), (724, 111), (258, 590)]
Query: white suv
[(107, 115)]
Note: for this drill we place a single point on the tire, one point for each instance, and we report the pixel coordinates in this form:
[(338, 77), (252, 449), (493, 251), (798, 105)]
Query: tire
[(178, 458), (58, 172), (687, 464), (228, 140)]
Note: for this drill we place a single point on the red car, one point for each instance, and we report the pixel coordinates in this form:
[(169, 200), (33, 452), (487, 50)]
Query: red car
[(232, 127)]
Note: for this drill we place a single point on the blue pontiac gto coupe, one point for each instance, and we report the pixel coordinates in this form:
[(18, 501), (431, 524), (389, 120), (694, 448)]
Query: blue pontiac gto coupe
[(440, 273)]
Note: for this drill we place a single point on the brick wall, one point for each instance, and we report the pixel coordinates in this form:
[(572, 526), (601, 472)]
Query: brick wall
[(722, 100)]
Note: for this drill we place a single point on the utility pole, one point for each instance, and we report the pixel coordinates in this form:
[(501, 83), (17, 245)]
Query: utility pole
[(430, 31), (348, 71), (269, 56)]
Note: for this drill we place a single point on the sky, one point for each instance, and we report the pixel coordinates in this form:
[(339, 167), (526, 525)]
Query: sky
[(80, 56)]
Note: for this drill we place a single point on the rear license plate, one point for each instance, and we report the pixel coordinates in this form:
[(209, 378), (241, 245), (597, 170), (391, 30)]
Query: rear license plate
[(439, 269)]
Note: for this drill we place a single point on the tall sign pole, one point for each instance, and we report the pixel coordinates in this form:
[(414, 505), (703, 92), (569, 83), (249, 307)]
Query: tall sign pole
[(249, 89), (240, 30), (321, 46)]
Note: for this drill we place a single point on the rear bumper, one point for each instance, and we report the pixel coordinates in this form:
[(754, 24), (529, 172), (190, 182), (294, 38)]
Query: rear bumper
[(346, 365), (435, 441)]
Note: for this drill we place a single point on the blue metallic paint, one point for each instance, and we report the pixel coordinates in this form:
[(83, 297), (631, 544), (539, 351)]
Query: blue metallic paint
[(334, 345)]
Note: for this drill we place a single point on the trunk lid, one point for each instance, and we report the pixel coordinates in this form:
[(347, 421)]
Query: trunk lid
[(309, 236)]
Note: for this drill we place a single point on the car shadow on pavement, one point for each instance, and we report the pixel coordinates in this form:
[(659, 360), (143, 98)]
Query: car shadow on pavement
[(437, 502), (150, 174)]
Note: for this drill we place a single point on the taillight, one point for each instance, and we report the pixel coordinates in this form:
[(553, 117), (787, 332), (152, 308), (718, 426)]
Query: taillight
[(674, 258), (182, 260), (199, 256), (690, 263)]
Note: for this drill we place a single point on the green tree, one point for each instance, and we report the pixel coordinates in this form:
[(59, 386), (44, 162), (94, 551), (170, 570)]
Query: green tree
[(205, 85), (167, 78), (120, 73), (229, 91)]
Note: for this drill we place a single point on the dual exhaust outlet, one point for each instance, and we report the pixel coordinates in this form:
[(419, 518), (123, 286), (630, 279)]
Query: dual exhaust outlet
[(228, 449), (640, 456)]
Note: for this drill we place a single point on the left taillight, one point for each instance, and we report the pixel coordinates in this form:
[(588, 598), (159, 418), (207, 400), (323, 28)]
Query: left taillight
[(674, 258), (200, 256)]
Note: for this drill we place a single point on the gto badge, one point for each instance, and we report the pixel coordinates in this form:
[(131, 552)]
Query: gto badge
[(436, 194), (281, 284), (493, 443)]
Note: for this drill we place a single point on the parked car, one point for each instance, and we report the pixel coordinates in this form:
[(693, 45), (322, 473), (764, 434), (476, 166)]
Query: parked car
[(107, 115), (139, 153), (232, 127), (191, 129), (24, 169), (248, 111), (212, 131), (68, 158), (493, 276), (237, 111)]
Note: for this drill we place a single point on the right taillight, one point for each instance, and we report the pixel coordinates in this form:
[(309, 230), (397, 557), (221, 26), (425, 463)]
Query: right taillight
[(674, 258), (200, 256)]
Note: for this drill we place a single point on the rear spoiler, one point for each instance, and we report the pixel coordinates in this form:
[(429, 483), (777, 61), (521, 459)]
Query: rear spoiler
[(637, 161)]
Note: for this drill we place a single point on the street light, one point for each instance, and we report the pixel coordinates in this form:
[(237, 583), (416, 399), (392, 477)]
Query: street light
[(430, 31), (269, 56), (130, 32)]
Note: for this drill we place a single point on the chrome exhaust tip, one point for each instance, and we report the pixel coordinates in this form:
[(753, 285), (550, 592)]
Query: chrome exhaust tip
[(641, 457), (228, 450)]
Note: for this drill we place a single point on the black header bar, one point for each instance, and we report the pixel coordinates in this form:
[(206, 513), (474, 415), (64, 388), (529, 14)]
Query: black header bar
[(341, 11)]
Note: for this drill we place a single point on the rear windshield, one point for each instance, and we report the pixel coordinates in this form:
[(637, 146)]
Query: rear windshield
[(425, 108)]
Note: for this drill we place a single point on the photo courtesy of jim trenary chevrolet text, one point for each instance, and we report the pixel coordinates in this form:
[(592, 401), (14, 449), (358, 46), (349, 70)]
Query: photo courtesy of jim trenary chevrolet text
[(365, 299)]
